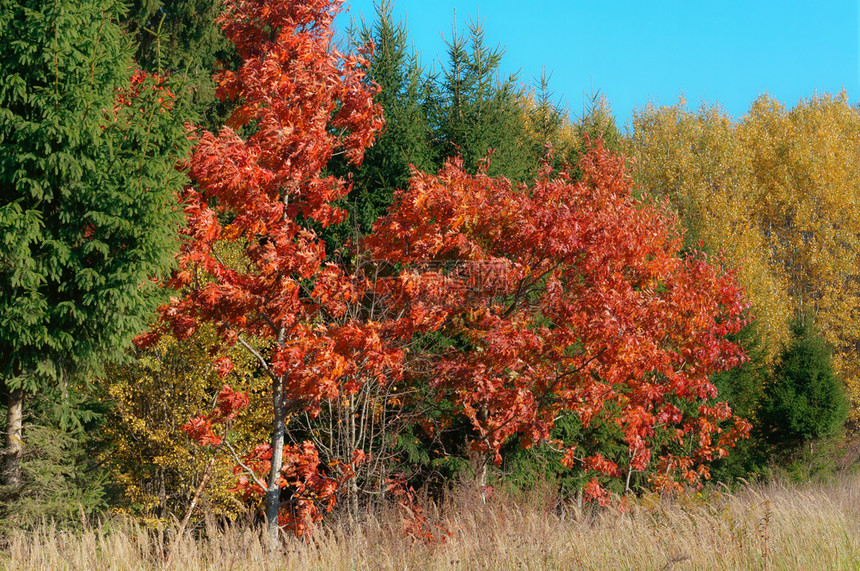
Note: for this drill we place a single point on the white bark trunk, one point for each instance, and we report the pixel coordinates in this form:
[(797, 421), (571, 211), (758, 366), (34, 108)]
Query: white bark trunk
[(14, 437)]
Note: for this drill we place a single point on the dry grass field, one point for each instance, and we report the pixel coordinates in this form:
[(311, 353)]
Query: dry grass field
[(757, 527)]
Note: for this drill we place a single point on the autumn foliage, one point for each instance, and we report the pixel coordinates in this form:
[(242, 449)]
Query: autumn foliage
[(564, 297), (776, 191), (568, 298), (301, 101)]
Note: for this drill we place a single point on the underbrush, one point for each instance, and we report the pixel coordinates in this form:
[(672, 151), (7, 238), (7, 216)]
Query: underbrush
[(773, 526)]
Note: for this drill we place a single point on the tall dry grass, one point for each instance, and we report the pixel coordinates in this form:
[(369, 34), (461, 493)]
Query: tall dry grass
[(758, 527)]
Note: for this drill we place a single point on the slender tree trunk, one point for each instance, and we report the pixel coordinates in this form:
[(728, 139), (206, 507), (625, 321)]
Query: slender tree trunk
[(483, 473), (176, 540), (353, 482), (273, 492), (353, 499), (14, 437)]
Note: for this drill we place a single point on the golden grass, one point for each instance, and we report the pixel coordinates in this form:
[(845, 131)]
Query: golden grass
[(759, 527)]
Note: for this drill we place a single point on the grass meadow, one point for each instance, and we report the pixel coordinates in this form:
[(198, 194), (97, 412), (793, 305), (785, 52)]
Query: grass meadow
[(773, 526)]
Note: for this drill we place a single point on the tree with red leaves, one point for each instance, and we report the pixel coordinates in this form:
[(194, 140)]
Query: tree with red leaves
[(251, 263), (569, 298)]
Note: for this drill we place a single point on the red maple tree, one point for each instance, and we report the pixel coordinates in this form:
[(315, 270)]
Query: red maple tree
[(250, 262), (570, 298)]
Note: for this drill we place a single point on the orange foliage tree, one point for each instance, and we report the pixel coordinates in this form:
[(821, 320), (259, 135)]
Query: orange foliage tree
[(301, 101), (569, 298)]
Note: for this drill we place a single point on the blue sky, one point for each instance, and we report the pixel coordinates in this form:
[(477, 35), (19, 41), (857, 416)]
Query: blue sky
[(727, 51)]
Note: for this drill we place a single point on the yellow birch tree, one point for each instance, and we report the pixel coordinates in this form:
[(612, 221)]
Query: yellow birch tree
[(777, 192)]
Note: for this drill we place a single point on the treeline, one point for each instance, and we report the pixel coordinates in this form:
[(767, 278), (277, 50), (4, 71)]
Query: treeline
[(327, 272), (775, 193)]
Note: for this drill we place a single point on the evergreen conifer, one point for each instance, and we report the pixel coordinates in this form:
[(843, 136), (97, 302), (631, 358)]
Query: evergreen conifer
[(88, 216)]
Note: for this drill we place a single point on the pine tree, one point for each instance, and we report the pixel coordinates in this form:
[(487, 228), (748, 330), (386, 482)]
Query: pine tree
[(805, 399), (88, 148), (181, 36), (404, 143), (475, 110)]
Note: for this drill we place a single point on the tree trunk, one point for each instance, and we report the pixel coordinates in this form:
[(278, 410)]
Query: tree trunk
[(273, 492), (14, 437), (178, 538), (353, 445)]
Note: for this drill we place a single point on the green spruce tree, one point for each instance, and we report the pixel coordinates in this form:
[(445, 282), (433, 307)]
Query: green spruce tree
[(597, 122), (805, 399), (474, 110), (743, 389), (405, 141), (551, 126), (88, 214), (182, 38)]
